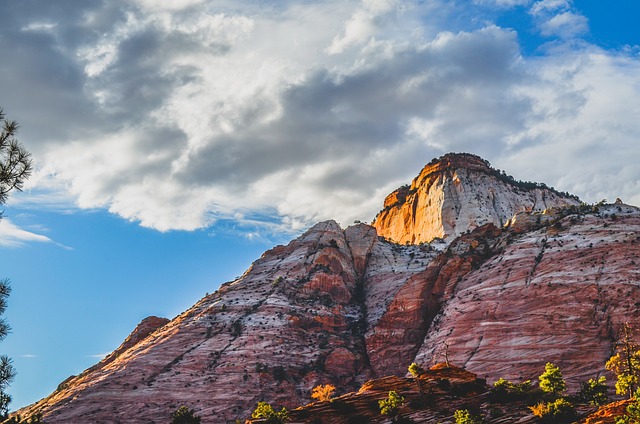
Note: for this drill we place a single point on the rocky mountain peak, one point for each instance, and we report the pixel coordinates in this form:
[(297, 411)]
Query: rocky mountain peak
[(457, 193), (345, 306)]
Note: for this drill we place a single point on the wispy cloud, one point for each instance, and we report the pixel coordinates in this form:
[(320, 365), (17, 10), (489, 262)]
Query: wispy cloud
[(14, 236), (28, 356)]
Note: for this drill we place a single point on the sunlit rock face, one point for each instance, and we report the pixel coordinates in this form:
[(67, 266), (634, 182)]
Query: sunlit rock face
[(457, 193), (341, 306)]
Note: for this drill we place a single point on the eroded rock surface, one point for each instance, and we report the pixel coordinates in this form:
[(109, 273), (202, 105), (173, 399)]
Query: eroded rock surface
[(556, 294), (457, 193), (341, 306)]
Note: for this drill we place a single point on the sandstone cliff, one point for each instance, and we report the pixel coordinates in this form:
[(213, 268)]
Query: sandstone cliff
[(457, 193), (344, 306)]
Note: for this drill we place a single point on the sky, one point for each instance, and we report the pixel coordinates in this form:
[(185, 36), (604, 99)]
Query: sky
[(176, 140)]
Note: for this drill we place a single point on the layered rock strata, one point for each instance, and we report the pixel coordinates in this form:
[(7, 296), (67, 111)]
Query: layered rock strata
[(558, 293), (343, 306), (457, 193)]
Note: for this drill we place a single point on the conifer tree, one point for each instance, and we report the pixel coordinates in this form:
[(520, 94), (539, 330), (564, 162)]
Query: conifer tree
[(15, 161), (15, 168), (551, 380)]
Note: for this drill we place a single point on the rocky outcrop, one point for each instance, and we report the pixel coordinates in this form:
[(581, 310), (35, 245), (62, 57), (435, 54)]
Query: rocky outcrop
[(557, 293), (341, 307), (430, 398), (295, 319), (457, 193)]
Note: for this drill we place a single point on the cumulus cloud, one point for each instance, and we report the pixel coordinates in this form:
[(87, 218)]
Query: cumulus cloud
[(361, 26), (557, 18), (178, 115)]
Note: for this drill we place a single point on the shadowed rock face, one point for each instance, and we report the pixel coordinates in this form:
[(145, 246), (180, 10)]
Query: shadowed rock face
[(558, 293), (343, 306), (457, 193)]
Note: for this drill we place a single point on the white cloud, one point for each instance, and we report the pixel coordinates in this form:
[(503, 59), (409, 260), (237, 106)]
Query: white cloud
[(546, 6), (585, 121), (565, 25), (362, 25), (558, 18), (14, 236), (244, 113)]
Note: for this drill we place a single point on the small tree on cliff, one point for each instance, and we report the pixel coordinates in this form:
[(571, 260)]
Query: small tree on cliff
[(391, 405), (594, 391), (416, 370), (626, 362), (323, 392), (551, 380), (266, 412)]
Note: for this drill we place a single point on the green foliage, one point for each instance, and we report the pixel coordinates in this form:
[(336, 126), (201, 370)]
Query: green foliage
[(463, 416), (559, 411), (625, 364), (184, 415), (391, 405), (5, 400), (266, 412), (15, 161), (504, 391), (632, 415), (7, 372), (594, 392), (416, 370), (15, 168), (551, 380)]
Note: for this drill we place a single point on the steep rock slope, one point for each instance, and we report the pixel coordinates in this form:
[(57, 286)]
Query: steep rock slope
[(457, 193), (295, 319), (557, 293), (343, 306)]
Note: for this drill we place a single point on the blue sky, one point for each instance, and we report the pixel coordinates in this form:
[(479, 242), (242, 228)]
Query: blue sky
[(175, 141)]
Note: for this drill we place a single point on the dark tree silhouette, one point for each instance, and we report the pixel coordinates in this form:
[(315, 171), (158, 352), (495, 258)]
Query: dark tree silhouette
[(15, 161), (15, 168)]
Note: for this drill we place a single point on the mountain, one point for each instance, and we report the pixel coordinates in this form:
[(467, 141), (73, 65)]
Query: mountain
[(488, 279), (457, 193)]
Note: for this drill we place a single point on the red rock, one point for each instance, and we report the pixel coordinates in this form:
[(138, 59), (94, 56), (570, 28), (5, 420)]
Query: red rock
[(342, 306), (457, 193)]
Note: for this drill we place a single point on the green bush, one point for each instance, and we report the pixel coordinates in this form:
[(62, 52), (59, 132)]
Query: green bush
[(594, 392), (391, 405), (416, 370), (266, 412), (463, 416), (632, 415), (505, 391), (559, 411)]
